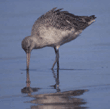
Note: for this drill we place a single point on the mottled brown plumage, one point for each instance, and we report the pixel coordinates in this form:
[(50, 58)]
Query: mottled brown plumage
[(53, 29)]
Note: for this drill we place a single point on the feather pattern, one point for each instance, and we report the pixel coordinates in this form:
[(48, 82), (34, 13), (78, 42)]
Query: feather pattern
[(62, 20), (54, 29)]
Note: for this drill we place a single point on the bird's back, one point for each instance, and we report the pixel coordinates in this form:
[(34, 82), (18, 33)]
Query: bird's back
[(58, 27)]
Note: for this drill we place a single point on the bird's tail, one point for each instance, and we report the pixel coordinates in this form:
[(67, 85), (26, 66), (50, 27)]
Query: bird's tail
[(85, 21), (90, 19)]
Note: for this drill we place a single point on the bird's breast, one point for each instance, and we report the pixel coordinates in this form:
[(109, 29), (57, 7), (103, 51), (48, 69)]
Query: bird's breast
[(50, 36)]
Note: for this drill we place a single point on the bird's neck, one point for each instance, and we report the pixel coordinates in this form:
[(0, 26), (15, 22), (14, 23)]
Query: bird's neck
[(36, 42)]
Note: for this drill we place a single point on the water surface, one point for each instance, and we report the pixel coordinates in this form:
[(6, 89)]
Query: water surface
[(83, 80)]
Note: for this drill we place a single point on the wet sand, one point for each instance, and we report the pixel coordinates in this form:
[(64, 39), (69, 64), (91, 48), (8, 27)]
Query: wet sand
[(83, 80)]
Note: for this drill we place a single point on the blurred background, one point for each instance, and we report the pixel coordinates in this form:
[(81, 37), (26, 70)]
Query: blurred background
[(84, 62)]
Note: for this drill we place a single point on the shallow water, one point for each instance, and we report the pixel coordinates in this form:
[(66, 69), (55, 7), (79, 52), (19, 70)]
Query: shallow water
[(83, 80)]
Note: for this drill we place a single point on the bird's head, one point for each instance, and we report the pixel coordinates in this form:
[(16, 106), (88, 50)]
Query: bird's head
[(27, 45)]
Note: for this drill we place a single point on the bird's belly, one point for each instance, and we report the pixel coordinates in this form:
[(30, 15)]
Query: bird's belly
[(52, 36), (70, 37)]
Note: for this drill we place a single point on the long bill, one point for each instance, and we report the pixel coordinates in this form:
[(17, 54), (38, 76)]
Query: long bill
[(28, 60)]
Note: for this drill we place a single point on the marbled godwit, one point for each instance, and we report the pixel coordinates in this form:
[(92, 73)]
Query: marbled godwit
[(54, 29)]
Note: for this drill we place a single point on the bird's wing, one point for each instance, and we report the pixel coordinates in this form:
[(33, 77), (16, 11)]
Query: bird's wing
[(64, 20), (61, 20)]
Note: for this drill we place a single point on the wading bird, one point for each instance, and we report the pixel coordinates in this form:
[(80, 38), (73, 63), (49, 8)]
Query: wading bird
[(53, 29)]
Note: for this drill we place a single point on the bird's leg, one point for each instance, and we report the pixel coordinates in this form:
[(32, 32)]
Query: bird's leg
[(57, 58)]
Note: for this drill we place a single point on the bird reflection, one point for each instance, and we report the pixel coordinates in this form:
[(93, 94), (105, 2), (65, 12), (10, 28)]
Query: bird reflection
[(58, 100), (56, 86), (28, 89)]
